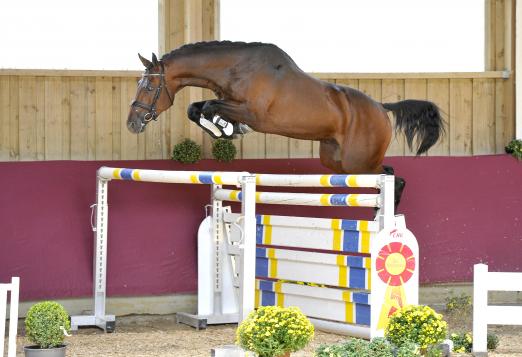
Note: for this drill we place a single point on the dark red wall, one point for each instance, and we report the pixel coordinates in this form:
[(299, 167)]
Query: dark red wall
[(462, 210)]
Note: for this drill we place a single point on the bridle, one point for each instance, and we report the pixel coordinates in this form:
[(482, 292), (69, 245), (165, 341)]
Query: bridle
[(151, 109)]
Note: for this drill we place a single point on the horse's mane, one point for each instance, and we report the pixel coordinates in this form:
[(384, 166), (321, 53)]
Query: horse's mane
[(197, 47)]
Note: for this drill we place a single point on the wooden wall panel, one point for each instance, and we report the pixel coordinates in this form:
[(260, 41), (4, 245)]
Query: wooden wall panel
[(483, 116), (79, 118), (5, 103), (129, 141), (116, 119), (40, 118), (104, 122), (54, 96), (438, 92), (276, 147), (13, 116), (253, 146), (461, 116), (28, 119)]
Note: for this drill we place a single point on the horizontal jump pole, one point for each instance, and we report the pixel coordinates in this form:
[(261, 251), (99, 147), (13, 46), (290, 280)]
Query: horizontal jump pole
[(232, 178), (315, 291), (324, 272), (304, 199), (281, 254), (163, 176), (311, 222), (338, 235), (372, 181), (331, 305)]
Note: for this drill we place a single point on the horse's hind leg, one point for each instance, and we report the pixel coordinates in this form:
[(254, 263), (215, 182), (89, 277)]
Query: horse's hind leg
[(330, 155), (400, 183)]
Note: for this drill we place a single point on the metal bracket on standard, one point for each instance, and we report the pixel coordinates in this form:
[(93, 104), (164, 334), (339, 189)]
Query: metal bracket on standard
[(107, 324), (196, 321), (201, 321)]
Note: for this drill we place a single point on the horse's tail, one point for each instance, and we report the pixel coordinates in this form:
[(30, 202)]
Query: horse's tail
[(417, 118)]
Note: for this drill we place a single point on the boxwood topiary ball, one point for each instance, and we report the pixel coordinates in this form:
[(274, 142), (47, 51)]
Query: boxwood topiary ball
[(45, 322), (187, 152), (224, 150)]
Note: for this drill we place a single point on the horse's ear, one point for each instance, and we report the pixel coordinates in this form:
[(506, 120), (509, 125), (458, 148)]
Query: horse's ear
[(154, 59), (148, 64)]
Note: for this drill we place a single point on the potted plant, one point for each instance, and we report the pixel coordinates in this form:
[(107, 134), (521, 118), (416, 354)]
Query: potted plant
[(46, 325), (419, 324), (273, 331)]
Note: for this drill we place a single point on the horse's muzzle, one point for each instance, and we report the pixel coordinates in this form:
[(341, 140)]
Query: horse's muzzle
[(135, 124)]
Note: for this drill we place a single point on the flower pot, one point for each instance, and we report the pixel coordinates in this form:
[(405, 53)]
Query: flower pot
[(36, 351)]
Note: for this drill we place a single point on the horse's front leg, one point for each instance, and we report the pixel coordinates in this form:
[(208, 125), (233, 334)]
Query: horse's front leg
[(194, 111), (231, 111), (215, 126)]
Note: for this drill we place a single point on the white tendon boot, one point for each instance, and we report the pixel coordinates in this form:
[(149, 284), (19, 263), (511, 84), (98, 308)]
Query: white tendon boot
[(217, 126)]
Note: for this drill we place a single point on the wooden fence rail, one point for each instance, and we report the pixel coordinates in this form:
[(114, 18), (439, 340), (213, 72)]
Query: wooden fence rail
[(81, 115)]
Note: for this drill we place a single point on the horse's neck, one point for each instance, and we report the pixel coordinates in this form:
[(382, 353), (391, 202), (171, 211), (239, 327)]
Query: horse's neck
[(198, 69)]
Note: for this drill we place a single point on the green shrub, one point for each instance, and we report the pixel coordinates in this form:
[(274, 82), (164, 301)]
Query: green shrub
[(408, 349), (416, 323), (45, 322), (459, 304), (356, 347), (434, 351), (492, 341), (463, 342), (224, 150), (515, 148), (273, 331), (380, 347), (187, 152), (335, 350)]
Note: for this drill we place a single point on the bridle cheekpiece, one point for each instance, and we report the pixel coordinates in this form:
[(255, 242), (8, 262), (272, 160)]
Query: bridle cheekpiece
[(151, 109)]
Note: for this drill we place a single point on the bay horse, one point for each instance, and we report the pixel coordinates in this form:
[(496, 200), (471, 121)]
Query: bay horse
[(259, 86)]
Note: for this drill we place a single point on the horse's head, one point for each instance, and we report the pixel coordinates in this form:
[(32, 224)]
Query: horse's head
[(152, 96)]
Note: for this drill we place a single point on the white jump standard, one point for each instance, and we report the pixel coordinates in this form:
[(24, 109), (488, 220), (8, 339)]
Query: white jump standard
[(100, 228)]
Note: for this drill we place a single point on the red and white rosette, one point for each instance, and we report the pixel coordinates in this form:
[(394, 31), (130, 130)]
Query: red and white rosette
[(395, 275)]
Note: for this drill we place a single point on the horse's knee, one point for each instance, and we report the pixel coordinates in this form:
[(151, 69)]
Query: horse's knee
[(210, 108), (194, 111)]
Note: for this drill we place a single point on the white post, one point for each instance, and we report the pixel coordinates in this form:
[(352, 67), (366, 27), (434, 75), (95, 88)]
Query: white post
[(386, 215), (100, 260), (13, 316), (248, 257), (217, 258), (14, 287), (480, 304)]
